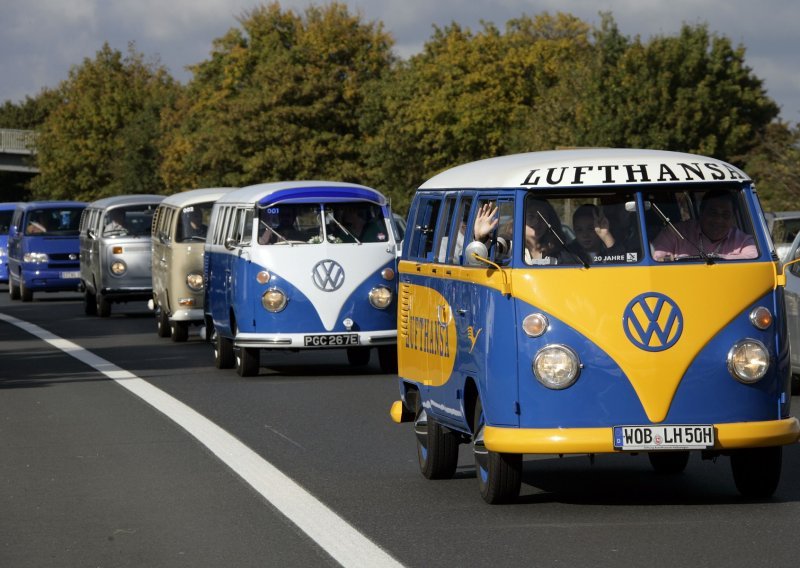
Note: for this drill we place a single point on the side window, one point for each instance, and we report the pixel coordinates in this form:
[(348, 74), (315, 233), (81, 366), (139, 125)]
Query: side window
[(445, 227), (461, 238), (494, 225), (424, 229), (247, 233)]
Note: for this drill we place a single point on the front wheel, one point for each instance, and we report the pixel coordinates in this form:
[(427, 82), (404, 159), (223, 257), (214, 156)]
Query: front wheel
[(499, 475), (223, 353), (103, 305), (89, 303), (668, 462), (25, 293), (179, 331), (13, 290), (757, 471), (248, 361), (437, 448), (162, 323)]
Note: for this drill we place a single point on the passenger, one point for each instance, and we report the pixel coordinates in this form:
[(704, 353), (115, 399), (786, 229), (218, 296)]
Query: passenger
[(355, 226), (286, 231), (545, 242), (714, 233), (194, 227), (116, 222), (622, 224), (593, 233), (37, 223)]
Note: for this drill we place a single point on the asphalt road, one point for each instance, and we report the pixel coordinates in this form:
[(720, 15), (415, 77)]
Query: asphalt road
[(92, 475)]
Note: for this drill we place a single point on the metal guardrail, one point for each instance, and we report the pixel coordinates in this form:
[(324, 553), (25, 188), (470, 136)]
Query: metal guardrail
[(17, 141)]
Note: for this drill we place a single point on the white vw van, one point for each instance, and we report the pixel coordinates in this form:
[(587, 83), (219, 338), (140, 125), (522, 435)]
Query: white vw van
[(180, 225)]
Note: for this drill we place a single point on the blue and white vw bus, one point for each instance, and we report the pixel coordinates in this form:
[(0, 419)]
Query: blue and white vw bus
[(659, 328), (300, 265)]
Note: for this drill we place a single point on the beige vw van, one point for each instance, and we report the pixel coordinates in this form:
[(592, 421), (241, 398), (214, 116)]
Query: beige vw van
[(179, 234)]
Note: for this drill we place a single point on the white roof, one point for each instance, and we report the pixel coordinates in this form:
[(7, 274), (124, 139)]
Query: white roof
[(192, 196), (585, 168)]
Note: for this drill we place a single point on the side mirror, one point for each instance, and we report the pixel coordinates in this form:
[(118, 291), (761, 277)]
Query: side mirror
[(230, 243), (92, 233), (475, 248)]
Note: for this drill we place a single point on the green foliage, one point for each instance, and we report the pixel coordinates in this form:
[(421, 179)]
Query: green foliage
[(319, 95), (100, 139), (280, 98)]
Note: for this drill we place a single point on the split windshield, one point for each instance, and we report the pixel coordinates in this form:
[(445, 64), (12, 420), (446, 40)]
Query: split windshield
[(300, 223)]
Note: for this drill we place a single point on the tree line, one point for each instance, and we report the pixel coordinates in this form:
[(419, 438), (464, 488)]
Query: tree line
[(322, 95)]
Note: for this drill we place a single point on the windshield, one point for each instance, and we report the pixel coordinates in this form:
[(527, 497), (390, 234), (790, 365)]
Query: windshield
[(130, 220), (5, 220), (699, 225), (61, 221), (193, 222), (301, 224)]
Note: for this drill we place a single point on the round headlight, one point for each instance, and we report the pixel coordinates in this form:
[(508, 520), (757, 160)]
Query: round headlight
[(380, 297), (534, 325), (118, 268), (274, 300), (761, 317), (748, 361), (194, 281), (556, 366)]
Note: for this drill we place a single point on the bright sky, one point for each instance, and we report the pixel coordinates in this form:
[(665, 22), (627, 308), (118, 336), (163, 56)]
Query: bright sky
[(42, 39)]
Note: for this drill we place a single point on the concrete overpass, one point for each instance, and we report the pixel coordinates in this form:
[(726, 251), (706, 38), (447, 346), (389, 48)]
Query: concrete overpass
[(17, 147)]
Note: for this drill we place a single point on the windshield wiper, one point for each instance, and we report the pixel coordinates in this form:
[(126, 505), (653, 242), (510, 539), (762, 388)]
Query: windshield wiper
[(343, 228), (666, 222), (575, 255)]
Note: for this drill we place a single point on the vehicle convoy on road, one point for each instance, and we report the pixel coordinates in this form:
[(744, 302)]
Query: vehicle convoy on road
[(180, 226), (115, 251), (301, 265), (43, 248), (660, 328)]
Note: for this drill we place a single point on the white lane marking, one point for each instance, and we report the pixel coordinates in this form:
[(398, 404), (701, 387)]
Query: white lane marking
[(332, 533)]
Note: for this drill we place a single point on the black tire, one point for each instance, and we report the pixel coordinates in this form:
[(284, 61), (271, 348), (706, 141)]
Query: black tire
[(25, 293), (13, 290), (499, 475), (387, 357), (162, 323), (89, 303), (757, 471), (358, 356), (437, 448), (248, 361), (179, 331), (669, 462), (103, 305), (223, 353)]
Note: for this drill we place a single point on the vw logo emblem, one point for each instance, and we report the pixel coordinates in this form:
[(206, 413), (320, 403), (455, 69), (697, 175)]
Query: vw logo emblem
[(328, 275), (653, 322)]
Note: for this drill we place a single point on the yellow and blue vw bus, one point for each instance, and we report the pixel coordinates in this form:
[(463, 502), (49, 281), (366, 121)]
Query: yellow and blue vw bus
[(593, 301)]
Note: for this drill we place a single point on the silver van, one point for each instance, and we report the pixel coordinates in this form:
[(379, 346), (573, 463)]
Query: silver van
[(179, 234), (115, 251)]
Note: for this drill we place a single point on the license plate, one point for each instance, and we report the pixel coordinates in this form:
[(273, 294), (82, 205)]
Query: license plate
[(75, 274), (677, 437), (333, 340)]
